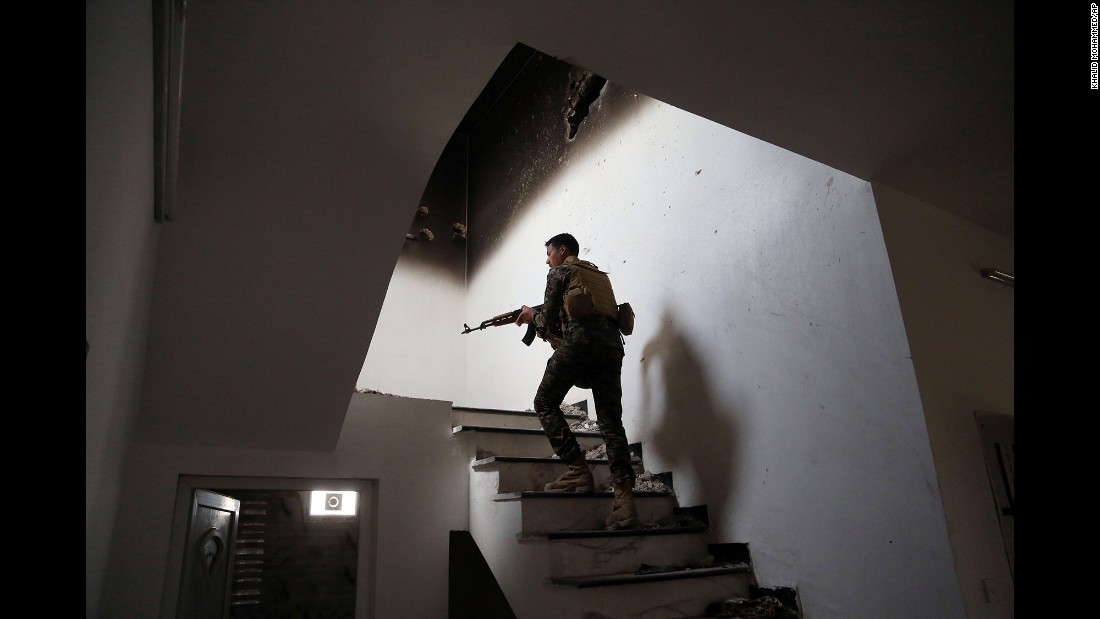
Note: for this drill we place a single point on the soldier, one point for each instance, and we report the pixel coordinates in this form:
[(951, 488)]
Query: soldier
[(579, 317)]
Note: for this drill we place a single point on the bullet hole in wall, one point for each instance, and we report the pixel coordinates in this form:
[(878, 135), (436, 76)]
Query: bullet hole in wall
[(421, 234)]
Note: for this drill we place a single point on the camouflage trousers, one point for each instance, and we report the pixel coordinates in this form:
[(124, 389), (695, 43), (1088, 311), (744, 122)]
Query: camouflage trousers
[(599, 369)]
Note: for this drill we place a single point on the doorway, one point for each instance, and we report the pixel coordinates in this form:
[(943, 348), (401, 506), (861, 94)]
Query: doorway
[(208, 556), (290, 555)]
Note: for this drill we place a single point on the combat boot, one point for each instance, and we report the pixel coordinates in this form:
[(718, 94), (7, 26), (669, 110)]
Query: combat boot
[(623, 513), (577, 478)]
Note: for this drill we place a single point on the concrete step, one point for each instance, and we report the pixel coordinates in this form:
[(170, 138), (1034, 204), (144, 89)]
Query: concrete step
[(546, 512), (661, 574), (490, 417), (490, 441), (670, 595), (522, 572), (612, 553), (519, 473)]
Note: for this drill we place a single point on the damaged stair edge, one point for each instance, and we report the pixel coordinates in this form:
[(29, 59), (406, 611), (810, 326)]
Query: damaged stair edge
[(569, 413), (578, 409), (488, 460), (528, 431), (582, 582), (561, 496), (652, 531), (646, 531)]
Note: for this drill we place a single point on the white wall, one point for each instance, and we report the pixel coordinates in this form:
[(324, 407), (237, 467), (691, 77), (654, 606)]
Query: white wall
[(961, 331), (120, 246), (404, 444), (769, 369), (418, 350)]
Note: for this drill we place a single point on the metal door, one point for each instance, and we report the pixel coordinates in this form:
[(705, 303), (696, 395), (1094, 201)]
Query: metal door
[(208, 556)]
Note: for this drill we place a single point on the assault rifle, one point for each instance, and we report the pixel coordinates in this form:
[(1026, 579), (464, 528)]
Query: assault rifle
[(507, 318)]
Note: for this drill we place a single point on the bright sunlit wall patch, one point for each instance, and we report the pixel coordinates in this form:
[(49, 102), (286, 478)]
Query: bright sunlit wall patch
[(333, 502)]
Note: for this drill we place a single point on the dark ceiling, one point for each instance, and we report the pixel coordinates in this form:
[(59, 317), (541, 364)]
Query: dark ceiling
[(917, 96)]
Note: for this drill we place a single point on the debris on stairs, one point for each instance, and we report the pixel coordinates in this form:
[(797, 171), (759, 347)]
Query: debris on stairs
[(766, 607)]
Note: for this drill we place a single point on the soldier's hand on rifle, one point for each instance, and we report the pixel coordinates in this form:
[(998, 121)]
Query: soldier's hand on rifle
[(525, 316)]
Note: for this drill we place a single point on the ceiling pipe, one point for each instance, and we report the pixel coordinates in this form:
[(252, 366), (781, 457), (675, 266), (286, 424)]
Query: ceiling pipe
[(999, 276)]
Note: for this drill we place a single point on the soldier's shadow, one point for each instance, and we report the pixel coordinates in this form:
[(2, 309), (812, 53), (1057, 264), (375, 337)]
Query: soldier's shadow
[(686, 427)]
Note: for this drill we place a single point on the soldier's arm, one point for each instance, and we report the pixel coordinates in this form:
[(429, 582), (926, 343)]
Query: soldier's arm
[(546, 318)]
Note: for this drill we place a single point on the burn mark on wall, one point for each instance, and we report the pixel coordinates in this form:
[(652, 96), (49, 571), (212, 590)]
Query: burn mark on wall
[(584, 89), (516, 148)]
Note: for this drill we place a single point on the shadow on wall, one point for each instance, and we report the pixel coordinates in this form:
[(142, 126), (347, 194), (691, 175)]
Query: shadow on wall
[(688, 430)]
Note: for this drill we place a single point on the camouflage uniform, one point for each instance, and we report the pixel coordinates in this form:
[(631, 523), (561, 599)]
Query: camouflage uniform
[(589, 356)]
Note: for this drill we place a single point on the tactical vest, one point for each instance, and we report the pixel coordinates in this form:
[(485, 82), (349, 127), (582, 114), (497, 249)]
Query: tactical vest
[(589, 291)]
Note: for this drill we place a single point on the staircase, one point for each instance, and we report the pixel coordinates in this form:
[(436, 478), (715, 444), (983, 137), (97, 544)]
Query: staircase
[(551, 556)]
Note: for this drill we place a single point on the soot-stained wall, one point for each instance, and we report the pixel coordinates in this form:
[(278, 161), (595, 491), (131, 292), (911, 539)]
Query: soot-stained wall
[(436, 236), (528, 138), (415, 351)]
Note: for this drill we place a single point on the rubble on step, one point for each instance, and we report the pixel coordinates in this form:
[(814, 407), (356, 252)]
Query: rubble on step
[(570, 409), (766, 607)]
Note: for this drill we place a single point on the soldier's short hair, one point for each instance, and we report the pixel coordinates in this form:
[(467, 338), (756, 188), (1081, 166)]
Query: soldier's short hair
[(565, 239)]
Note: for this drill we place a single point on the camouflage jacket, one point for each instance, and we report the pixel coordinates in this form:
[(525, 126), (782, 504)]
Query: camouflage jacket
[(552, 323)]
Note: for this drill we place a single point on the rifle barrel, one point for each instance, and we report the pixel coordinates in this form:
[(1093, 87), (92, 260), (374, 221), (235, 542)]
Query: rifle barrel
[(496, 321)]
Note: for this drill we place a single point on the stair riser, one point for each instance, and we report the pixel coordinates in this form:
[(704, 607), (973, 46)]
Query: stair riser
[(498, 420), (602, 556), (587, 514), (502, 444), (674, 599), (520, 476)]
